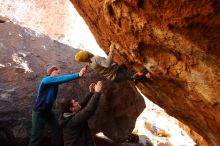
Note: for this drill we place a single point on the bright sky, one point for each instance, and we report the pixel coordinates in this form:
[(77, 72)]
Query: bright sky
[(155, 115), (64, 22), (83, 38)]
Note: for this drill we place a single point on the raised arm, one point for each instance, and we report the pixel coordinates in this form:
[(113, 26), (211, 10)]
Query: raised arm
[(63, 78), (84, 114), (104, 62), (89, 109), (85, 100), (59, 79)]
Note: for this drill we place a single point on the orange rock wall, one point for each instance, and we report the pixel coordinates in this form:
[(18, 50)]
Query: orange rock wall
[(178, 41)]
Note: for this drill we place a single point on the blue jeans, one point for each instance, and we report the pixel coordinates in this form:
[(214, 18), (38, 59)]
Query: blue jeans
[(39, 119)]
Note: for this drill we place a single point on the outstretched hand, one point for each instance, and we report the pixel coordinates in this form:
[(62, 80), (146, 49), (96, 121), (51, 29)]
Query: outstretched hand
[(91, 87), (98, 86), (112, 47), (83, 71)]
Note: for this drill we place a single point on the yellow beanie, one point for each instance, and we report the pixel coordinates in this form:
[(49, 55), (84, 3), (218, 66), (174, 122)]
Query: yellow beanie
[(82, 56)]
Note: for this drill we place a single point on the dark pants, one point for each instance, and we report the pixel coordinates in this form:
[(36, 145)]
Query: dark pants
[(123, 73), (39, 120)]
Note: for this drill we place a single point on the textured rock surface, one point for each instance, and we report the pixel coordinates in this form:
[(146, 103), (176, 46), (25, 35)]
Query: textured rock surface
[(179, 41), (23, 55)]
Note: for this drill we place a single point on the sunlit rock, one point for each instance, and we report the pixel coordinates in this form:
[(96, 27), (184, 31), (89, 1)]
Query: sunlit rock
[(178, 41)]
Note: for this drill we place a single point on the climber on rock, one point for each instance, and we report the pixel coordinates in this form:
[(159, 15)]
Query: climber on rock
[(74, 117), (154, 129), (42, 109), (107, 68)]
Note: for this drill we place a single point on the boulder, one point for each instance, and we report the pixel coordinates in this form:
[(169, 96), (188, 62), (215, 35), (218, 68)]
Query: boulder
[(23, 57), (178, 41)]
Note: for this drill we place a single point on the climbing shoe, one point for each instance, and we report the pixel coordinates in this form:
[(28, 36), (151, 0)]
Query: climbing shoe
[(139, 74)]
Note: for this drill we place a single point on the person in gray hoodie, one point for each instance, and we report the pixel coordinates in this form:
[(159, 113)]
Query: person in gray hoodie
[(74, 117)]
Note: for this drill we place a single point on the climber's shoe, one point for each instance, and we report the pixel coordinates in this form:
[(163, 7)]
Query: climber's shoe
[(140, 74)]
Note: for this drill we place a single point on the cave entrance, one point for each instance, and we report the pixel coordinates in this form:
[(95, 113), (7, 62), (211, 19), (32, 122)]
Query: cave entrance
[(159, 127)]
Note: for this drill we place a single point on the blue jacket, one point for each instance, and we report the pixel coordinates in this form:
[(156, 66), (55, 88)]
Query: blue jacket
[(47, 91)]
